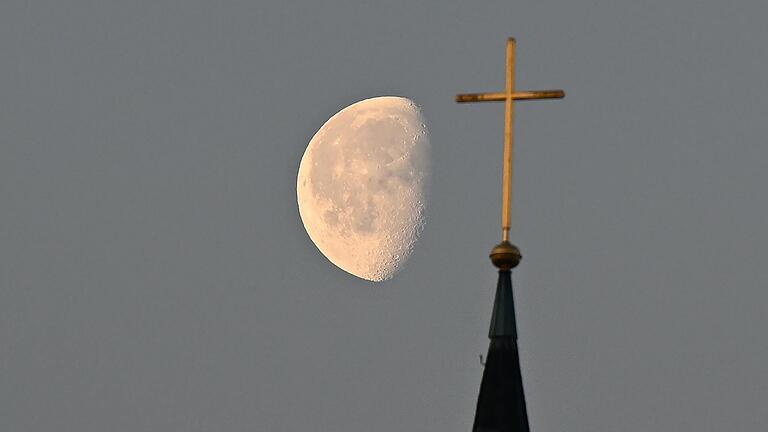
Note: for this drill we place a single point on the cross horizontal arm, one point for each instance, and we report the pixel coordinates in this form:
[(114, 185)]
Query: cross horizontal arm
[(501, 96)]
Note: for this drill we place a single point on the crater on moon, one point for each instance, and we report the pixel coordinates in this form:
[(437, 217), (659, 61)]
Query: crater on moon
[(362, 186)]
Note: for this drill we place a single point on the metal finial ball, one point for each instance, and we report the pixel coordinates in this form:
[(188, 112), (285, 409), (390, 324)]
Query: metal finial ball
[(505, 255)]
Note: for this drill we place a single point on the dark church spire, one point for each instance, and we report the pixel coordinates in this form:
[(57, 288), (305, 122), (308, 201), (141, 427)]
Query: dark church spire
[(501, 403)]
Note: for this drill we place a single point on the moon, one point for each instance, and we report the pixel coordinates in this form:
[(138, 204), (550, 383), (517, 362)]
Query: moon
[(362, 186)]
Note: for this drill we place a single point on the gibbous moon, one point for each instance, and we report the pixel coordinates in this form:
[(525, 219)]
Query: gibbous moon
[(362, 186)]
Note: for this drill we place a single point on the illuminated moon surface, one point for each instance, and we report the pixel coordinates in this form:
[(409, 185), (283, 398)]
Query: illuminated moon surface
[(362, 186)]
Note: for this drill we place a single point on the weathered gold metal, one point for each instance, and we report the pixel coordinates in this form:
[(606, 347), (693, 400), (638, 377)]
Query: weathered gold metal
[(501, 97), (509, 109), (503, 255)]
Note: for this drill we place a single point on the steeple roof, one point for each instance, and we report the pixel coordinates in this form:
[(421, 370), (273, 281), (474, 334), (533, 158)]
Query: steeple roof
[(501, 403)]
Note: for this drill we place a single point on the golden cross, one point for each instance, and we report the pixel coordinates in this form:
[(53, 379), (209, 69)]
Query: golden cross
[(508, 97)]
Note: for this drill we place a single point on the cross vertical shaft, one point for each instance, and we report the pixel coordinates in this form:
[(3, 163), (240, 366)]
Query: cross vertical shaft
[(509, 118)]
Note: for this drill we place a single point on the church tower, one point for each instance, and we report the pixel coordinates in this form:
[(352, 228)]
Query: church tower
[(501, 403)]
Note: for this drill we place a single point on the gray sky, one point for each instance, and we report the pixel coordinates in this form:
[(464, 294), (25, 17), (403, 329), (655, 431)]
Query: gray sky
[(155, 276)]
